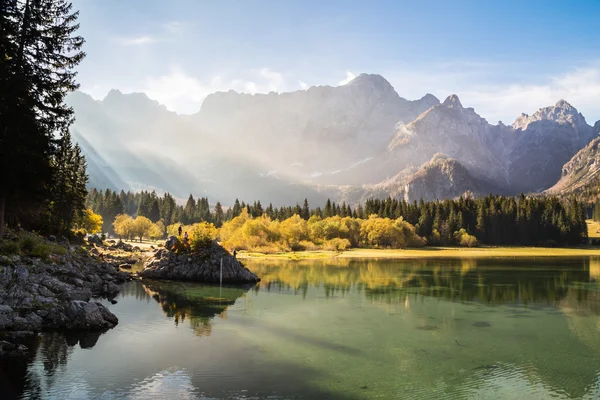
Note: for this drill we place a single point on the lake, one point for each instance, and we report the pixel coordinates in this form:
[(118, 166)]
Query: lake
[(339, 329)]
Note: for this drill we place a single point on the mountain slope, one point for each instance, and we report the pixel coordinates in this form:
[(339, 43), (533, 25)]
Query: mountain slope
[(581, 174), (544, 142), (439, 178)]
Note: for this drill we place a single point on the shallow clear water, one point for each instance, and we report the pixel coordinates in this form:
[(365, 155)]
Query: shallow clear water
[(473, 329)]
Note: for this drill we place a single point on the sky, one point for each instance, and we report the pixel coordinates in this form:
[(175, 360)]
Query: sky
[(500, 57)]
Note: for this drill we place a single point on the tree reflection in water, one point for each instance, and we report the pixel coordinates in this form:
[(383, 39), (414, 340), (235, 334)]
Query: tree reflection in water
[(198, 303), (493, 282)]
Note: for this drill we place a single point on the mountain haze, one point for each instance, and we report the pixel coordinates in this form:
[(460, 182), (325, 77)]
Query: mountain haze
[(348, 142)]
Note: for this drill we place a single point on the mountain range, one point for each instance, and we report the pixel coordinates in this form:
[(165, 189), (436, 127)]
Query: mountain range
[(347, 143)]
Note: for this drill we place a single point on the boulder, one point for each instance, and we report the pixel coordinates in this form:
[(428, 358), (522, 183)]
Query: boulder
[(94, 239), (88, 316), (201, 266), (170, 242)]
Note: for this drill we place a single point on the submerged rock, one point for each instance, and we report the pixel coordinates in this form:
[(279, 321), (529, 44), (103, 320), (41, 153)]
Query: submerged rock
[(202, 266)]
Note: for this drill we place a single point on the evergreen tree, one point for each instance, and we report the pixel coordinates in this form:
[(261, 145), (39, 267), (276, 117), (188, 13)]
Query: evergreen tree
[(305, 214), (218, 215), (237, 208), (68, 193), (190, 211), (38, 52), (327, 211)]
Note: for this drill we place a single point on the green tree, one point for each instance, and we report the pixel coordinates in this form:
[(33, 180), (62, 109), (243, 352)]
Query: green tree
[(38, 52), (68, 193), (218, 215)]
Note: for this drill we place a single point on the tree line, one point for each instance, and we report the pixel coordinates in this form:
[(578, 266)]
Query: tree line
[(42, 173), (491, 220)]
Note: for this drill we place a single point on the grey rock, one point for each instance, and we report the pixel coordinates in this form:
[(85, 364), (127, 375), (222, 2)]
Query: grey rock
[(89, 315), (94, 239), (80, 294), (4, 309), (200, 267)]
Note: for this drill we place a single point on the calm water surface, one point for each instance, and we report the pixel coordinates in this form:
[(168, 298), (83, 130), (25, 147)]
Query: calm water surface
[(339, 329)]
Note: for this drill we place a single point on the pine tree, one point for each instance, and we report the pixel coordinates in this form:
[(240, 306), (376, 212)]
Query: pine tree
[(305, 214), (68, 194), (38, 51), (237, 209), (328, 212), (189, 211), (218, 215)]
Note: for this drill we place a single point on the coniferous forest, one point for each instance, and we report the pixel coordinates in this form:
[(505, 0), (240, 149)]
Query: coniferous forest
[(42, 172), (493, 220)]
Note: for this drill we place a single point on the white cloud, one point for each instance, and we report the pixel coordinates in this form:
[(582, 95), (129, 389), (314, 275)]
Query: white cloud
[(476, 85), (349, 77), (137, 41), (183, 93), (581, 88), (303, 85)]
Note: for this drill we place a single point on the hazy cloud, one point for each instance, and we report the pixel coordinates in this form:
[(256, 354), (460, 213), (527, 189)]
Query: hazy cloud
[(477, 87), (580, 87), (349, 77), (184, 93), (137, 41)]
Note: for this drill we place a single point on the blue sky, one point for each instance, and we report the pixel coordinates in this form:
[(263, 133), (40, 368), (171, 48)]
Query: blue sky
[(500, 57)]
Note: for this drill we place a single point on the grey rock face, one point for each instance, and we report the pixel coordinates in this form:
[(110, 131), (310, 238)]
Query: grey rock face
[(89, 316), (202, 267)]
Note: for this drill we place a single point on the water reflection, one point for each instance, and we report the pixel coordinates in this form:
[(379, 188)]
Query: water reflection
[(17, 378), (193, 301), (492, 282), (339, 329)]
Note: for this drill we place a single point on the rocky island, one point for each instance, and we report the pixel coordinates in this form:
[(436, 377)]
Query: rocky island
[(203, 265)]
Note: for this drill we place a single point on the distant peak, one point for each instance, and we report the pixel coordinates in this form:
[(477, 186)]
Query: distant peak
[(375, 80), (452, 101), (430, 99), (113, 93), (563, 104)]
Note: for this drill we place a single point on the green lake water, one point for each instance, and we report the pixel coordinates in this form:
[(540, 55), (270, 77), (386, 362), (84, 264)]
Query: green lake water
[(338, 329)]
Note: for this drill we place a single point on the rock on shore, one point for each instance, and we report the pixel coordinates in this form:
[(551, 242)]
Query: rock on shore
[(56, 294), (202, 266)]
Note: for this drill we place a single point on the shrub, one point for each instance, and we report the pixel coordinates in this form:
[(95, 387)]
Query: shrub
[(463, 238), (337, 244), (27, 244), (8, 247), (202, 235)]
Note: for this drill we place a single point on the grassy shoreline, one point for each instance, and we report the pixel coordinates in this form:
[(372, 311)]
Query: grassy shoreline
[(432, 252)]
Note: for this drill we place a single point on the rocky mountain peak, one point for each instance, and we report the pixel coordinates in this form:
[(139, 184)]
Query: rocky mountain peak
[(430, 100), (561, 113), (371, 84), (453, 101)]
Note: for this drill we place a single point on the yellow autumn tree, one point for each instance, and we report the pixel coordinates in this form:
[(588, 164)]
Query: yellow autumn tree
[(90, 222), (124, 226), (141, 227), (157, 231)]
